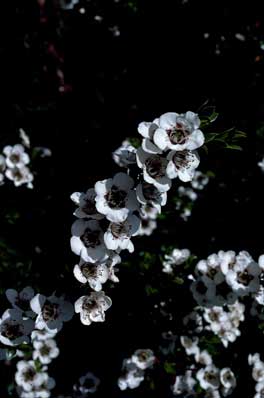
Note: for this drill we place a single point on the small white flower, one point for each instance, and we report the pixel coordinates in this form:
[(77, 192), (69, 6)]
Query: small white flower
[(147, 227), (227, 379), (118, 235), (177, 257), (88, 384), (16, 157), (92, 308), (45, 350), (184, 384), (115, 197), (88, 240), (190, 345), (182, 164), (20, 176), (132, 377), (148, 194), (27, 376), (244, 278), (14, 329), (178, 132), (125, 155), (203, 357), (51, 312), (199, 181), (154, 169), (143, 358), (86, 203), (20, 300), (208, 378)]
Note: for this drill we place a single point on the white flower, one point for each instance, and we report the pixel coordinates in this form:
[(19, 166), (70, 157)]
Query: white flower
[(132, 377), (147, 227), (21, 300), (45, 350), (143, 358), (117, 236), (14, 329), (51, 312), (148, 194), (115, 197), (16, 157), (184, 384), (88, 240), (125, 155), (96, 273), (208, 378), (203, 357), (27, 376), (86, 203), (88, 384), (147, 130), (227, 379), (154, 169), (2, 168), (92, 308), (177, 257), (244, 278), (182, 164), (68, 4), (259, 389), (199, 181), (178, 132), (261, 164), (20, 176), (190, 345)]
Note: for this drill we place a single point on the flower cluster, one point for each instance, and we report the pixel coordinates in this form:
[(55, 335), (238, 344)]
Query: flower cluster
[(257, 374), (214, 381), (177, 257), (134, 369), (13, 166), (116, 209), (34, 320)]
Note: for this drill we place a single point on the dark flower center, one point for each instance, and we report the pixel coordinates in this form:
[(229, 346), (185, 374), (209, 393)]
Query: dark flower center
[(89, 304), (116, 198), (29, 374), (12, 331), (119, 229), (244, 278), (150, 192), (50, 311), (45, 350), (155, 166), (14, 157), (91, 238), (180, 159), (178, 134), (89, 270), (89, 207)]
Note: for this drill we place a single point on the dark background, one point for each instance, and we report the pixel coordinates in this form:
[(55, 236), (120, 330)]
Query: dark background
[(106, 85)]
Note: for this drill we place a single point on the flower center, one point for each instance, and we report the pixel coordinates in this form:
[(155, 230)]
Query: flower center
[(45, 351), (150, 192), (178, 134), (14, 157), (50, 311), (90, 238), (155, 166), (89, 207), (180, 159), (29, 374), (116, 198), (119, 230), (89, 270), (12, 331), (244, 278), (89, 304)]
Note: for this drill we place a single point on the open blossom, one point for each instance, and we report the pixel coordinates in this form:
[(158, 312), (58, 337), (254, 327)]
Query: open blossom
[(118, 235), (115, 197), (228, 380), (88, 240), (182, 164), (14, 329), (184, 384), (45, 350), (20, 176), (16, 157), (244, 278), (154, 169), (92, 308), (143, 358), (177, 257), (148, 194), (86, 203), (27, 376), (88, 384), (96, 273), (208, 378), (51, 312), (178, 132), (133, 376), (190, 345), (20, 300), (125, 155), (199, 180)]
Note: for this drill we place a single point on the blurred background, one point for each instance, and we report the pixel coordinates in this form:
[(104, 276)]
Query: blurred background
[(78, 77)]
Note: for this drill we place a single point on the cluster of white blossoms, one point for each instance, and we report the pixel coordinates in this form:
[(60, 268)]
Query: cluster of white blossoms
[(177, 257), (257, 374), (187, 195), (116, 209), (13, 166), (34, 320), (215, 382), (224, 277), (225, 322), (133, 369)]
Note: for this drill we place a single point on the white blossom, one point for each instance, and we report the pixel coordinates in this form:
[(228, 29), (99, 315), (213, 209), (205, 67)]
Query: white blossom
[(148, 194), (208, 378), (125, 155), (45, 350), (143, 358), (27, 376), (182, 164), (51, 312), (16, 157), (21, 300), (14, 329), (86, 203), (20, 176), (118, 235), (92, 308)]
